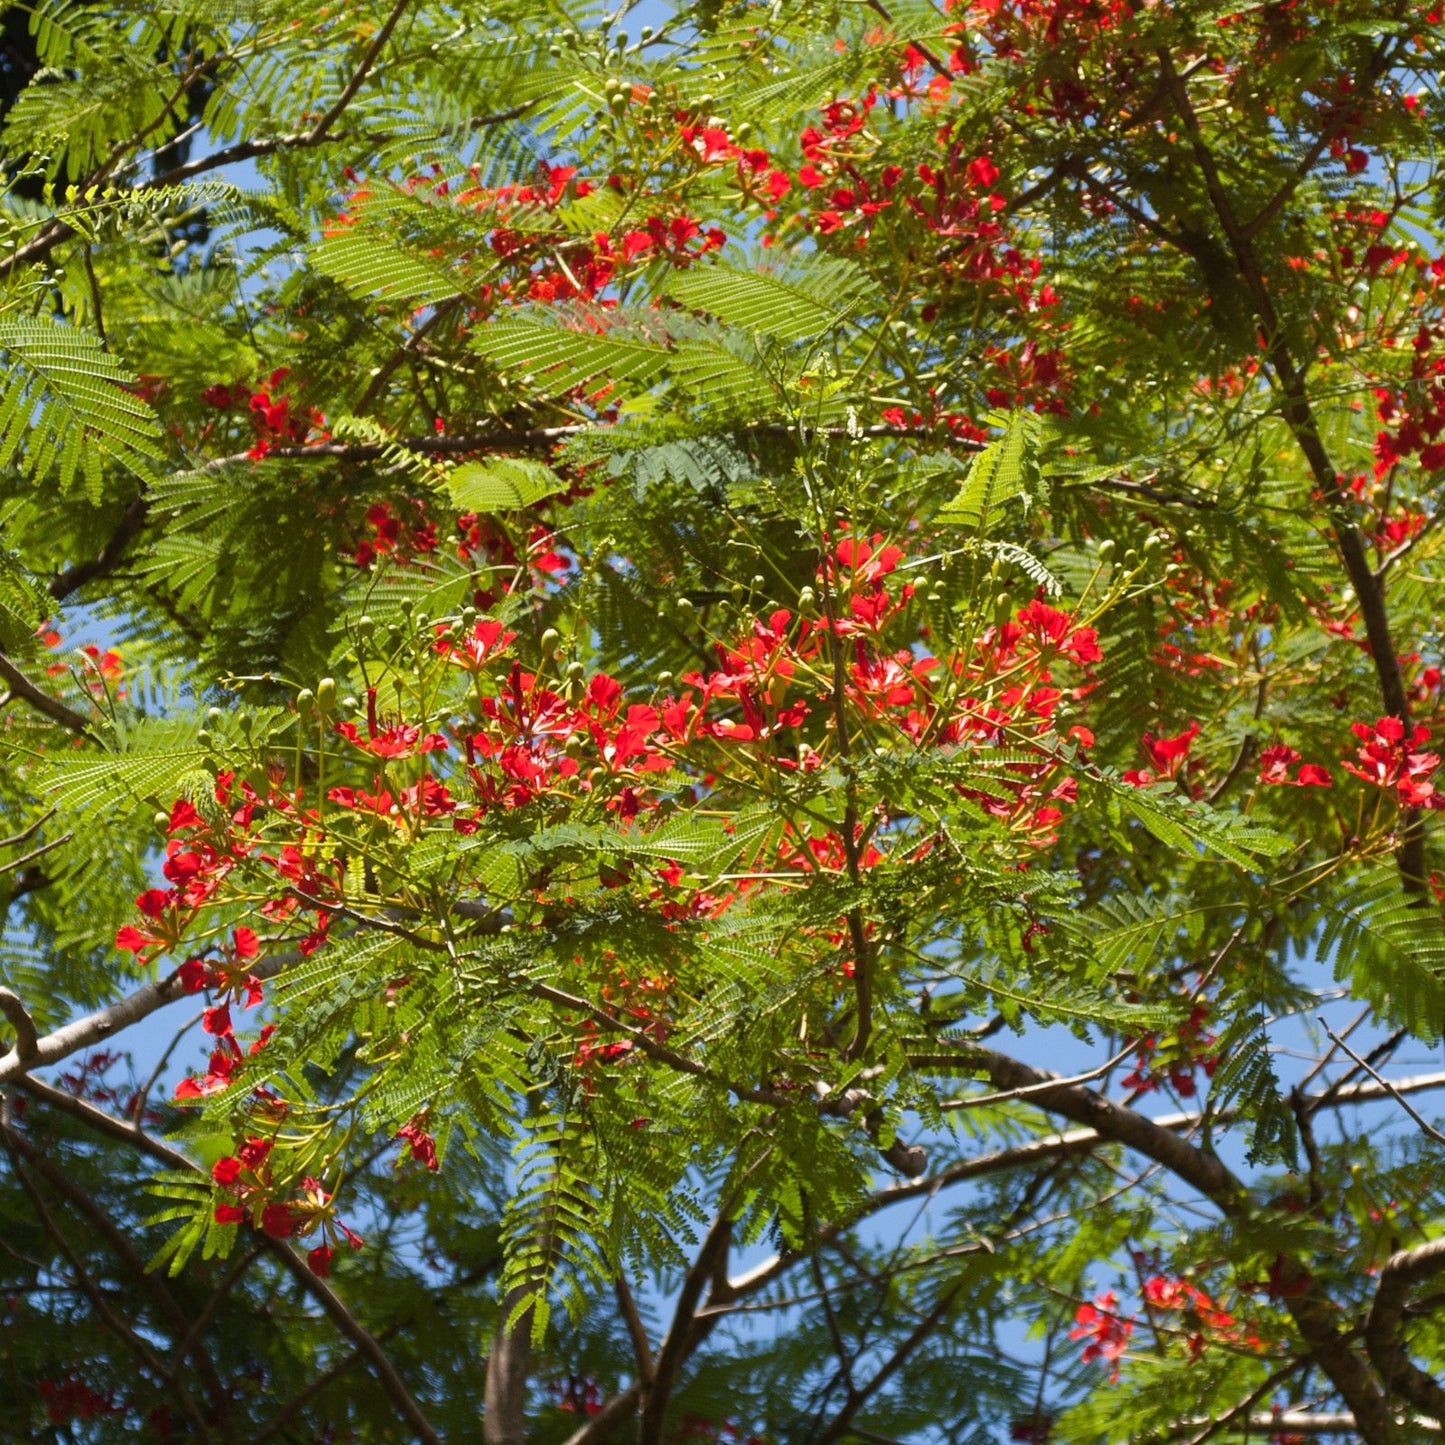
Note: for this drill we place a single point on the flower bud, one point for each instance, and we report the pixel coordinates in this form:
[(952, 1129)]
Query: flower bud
[(305, 701), (326, 696), (551, 640)]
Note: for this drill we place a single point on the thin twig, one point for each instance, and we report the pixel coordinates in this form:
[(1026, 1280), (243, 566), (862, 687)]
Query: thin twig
[(1430, 1131)]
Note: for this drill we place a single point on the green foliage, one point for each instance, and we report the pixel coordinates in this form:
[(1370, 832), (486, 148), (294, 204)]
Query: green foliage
[(717, 668)]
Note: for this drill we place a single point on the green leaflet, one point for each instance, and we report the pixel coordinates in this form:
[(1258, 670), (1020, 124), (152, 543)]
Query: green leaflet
[(65, 406), (1390, 945), (999, 473), (796, 307), (502, 484), (1189, 826), (553, 361), (370, 264)]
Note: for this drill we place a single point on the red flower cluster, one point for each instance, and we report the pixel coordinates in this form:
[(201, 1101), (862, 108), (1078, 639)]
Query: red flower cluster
[(250, 1193), (422, 1148), (1167, 754), (1277, 759), (1106, 1331), (1394, 763), (389, 534), (1200, 1315), (1189, 1048), (67, 1400), (272, 412)]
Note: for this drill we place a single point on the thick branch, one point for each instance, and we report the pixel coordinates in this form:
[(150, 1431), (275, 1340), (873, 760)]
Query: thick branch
[(682, 1334), (1299, 415), (105, 561), (103, 1023), (1315, 1315), (20, 686), (1383, 1338), (26, 1039), (358, 78)]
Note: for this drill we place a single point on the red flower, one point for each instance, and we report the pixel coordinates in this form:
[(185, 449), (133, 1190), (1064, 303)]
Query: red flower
[(422, 1146), (1107, 1333), (1167, 755), (1390, 761), (1276, 761), (398, 741), (277, 1221), (982, 172)]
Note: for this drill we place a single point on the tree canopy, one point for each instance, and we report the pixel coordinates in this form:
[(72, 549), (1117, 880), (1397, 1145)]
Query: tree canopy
[(721, 729)]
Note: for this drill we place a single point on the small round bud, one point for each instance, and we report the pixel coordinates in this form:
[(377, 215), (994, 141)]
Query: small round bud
[(161, 823), (365, 626), (551, 640), (421, 622), (806, 598), (469, 616), (575, 671), (1107, 548), (685, 607), (203, 738), (664, 680), (215, 717), (738, 592), (305, 701), (326, 696), (406, 606)]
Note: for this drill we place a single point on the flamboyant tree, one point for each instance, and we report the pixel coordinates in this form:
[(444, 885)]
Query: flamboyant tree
[(763, 688)]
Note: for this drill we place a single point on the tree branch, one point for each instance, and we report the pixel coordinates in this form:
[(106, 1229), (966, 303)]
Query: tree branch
[(358, 78), (21, 687), (1383, 1327), (682, 1336), (103, 1023), (26, 1039)]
